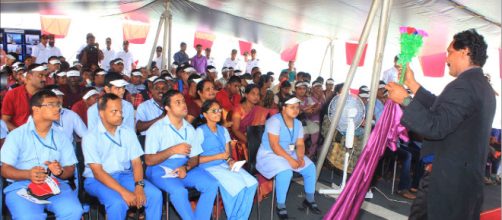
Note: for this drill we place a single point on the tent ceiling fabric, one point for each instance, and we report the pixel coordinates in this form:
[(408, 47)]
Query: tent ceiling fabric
[(279, 24)]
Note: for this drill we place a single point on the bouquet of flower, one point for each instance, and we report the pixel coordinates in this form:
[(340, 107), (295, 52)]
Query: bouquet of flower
[(411, 42)]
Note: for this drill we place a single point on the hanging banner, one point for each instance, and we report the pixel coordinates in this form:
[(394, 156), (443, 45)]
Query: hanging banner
[(245, 46), (135, 31), (289, 54), (350, 52), (58, 25), (204, 39), (433, 65)]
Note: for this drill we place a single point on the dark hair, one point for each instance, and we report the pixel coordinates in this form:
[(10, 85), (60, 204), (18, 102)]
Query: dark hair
[(254, 68), (198, 121), (53, 58), (64, 66), (247, 90), (234, 79), (338, 88), (166, 98), (198, 45), (200, 86), (192, 77), (111, 76), (183, 43), (104, 100), (38, 98), (263, 79), (285, 84), (476, 44)]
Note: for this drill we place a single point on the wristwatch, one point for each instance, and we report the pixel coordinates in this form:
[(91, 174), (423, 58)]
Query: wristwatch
[(140, 183), (407, 101)]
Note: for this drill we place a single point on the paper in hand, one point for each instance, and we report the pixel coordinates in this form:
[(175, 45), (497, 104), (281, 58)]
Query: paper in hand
[(237, 166), (169, 173), (24, 193)]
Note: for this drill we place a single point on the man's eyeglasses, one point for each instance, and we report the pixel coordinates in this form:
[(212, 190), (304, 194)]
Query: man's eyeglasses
[(51, 105), (218, 110)]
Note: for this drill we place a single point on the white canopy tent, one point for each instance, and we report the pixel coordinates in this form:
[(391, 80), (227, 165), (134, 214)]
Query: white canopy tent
[(274, 25)]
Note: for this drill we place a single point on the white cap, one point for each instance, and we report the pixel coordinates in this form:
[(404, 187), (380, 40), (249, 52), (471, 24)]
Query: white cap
[(364, 95), (330, 81), (249, 81), (117, 61), (189, 70), (174, 66), (136, 73), (152, 78), (212, 70), (298, 84), (317, 83), (39, 68), (101, 73), (57, 92), (197, 80), (293, 100), (72, 73), (54, 61), (10, 57), (119, 83), (60, 74), (90, 93), (158, 80)]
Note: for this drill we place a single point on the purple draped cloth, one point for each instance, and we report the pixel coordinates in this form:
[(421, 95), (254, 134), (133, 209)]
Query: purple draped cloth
[(385, 133)]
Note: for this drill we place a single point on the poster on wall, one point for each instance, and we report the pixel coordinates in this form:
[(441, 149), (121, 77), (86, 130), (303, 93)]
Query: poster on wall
[(19, 41)]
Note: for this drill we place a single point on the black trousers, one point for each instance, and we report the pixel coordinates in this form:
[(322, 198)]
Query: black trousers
[(419, 206)]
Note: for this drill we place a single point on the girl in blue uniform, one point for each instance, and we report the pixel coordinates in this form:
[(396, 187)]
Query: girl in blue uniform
[(237, 188), (282, 151)]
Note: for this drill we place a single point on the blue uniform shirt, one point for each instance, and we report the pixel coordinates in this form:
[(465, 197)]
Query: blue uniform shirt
[(212, 143), (163, 135), (147, 111), (93, 118), (24, 148), (276, 126), (113, 152), (70, 123)]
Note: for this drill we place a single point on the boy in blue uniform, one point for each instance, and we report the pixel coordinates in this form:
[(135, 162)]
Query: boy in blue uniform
[(30, 152), (110, 152), (171, 153)]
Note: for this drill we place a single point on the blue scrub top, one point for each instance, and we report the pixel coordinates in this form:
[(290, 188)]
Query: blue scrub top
[(275, 125), (212, 143), (113, 152)]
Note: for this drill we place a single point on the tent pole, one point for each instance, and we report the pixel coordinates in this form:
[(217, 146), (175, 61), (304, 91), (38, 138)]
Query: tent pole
[(324, 57), (169, 55), (332, 61), (350, 76), (166, 29), (377, 65), (155, 42)]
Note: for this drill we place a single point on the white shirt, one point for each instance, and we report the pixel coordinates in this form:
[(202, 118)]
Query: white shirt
[(108, 55), (251, 64), (210, 61), (54, 51), (128, 60), (158, 62), (41, 52), (232, 63), (390, 75)]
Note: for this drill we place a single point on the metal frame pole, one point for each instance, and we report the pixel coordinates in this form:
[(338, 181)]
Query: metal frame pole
[(166, 37), (350, 76), (332, 61), (324, 57), (377, 65), (155, 41)]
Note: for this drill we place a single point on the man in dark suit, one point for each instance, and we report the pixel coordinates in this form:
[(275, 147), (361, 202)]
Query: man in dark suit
[(456, 126)]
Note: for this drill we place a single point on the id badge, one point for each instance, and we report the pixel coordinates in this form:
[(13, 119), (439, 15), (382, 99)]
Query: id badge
[(292, 147)]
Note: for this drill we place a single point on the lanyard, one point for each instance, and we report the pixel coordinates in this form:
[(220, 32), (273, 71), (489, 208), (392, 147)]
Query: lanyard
[(175, 131), (53, 144), (157, 105), (291, 133), (112, 140), (60, 122), (180, 86)]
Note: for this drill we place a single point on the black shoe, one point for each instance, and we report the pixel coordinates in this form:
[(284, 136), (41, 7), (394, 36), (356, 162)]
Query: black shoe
[(312, 206), (282, 213)]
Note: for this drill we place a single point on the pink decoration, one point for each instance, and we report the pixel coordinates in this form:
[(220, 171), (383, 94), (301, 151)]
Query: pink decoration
[(289, 54), (245, 46), (433, 65), (350, 52)]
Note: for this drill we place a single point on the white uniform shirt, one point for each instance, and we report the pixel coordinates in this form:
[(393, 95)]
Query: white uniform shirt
[(158, 62), (390, 75), (251, 64), (54, 51), (235, 64), (128, 60), (108, 55), (41, 52)]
